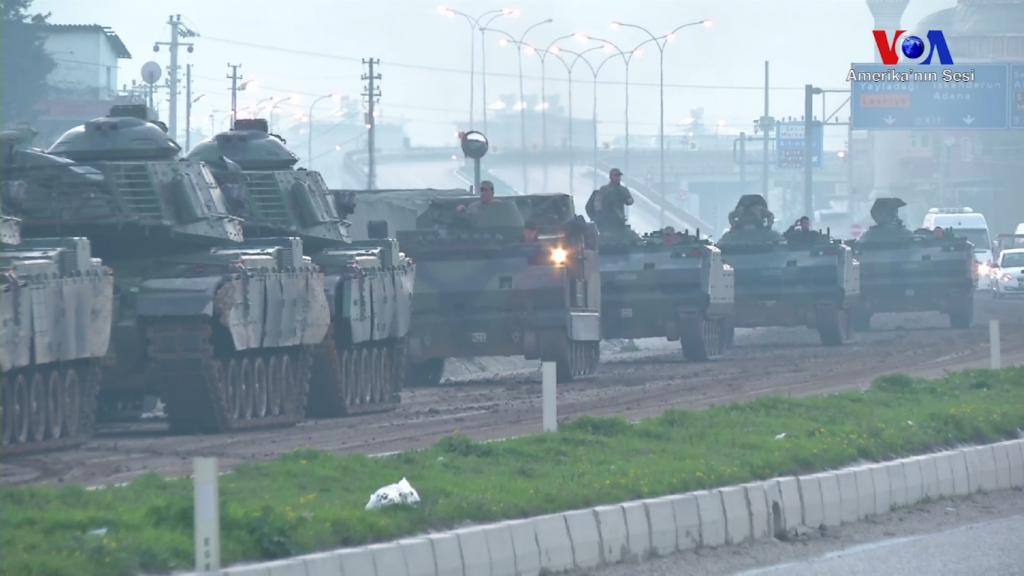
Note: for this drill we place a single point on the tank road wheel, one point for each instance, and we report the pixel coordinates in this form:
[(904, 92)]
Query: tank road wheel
[(377, 382), (833, 325), (399, 359), (701, 338), (55, 397), (288, 375), (235, 389), (9, 405), (424, 374), (37, 407), (74, 398), (274, 385), (259, 388), (569, 361), (384, 374), (21, 409), (961, 315), (296, 391), (347, 386), (245, 379)]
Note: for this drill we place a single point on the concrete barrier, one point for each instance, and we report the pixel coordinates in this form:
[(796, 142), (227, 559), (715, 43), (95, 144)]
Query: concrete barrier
[(831, 502), (1015, 452), (913, 477), (880, 480), (849, 499), (553, 542), (638, 529), (929, 475), (418, 554), (286, 568), (944, 472), (712, 518), (329, 563), (611, 523), (865, 491), (792, 507), (961, 479), (897, 484), (662, 521), (757, 503), (737, 514), (247, 570), (447, 555), (358, 562), (981, 469), (388, 559), (500, 549), (524, 540), (687, 521), (810, 501), (1001, 452), (586, 539)]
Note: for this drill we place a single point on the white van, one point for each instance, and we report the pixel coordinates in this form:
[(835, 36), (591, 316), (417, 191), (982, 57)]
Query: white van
[(971, 225)]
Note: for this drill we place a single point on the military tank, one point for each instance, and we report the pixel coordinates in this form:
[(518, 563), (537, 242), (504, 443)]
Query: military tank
[(905, 271), (55, 309), (666, 284), (221, 328), (360, 366), (807, 279)]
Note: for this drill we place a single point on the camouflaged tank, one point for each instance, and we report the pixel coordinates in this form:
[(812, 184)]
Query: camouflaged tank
[(808, 279), (220, 328), (55, 310), (360, 366), (904, 271), (666, 284), (487, 286)]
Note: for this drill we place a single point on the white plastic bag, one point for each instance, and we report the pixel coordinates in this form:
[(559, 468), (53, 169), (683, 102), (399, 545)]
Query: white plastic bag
[(400, 493)]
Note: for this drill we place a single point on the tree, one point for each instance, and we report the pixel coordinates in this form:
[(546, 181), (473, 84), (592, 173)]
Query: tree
[(24, 62)]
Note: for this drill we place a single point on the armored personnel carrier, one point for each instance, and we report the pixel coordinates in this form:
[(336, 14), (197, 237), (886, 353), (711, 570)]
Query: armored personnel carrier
[(220, 328), (666, 284), (807, 279), (360, 366), (55, 309), (489, 285), (904, 271)]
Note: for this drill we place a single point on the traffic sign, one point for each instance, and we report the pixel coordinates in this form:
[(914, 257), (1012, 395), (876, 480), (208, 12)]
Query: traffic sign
[(938, 101), (789, 144), (1017, 96)]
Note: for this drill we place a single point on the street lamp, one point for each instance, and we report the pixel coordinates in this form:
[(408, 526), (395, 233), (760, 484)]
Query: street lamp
[(660, 42), (277, 103), (259, 104), (520, 42), (309, 130), (474, 25), (557, 53)]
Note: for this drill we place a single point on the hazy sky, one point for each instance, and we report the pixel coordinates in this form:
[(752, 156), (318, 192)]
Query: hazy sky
[(807, 41)]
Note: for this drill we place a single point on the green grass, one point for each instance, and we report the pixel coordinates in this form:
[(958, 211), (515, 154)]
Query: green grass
[(310, 500)]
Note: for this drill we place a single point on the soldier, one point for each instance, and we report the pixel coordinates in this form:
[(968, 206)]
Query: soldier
[(607, 205), (800, 231), (488, 212)]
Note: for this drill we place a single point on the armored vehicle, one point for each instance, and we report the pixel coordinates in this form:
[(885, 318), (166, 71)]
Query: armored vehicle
[(904, 271), (220, 328), (804, 279), (666, 284), (360, 366), (55, 309)]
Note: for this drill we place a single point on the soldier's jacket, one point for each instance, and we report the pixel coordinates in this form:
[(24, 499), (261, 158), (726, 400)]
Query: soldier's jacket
[(494, 214), (607, 204)]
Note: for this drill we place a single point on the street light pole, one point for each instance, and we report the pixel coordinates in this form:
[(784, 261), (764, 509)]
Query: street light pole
[(555, 50), (309, 131), (660, 42), (274, 107), (474, 25)]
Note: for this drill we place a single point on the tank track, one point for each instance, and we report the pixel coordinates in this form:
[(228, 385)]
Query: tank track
[(703, 339), (578, 360), (47, 407), (361, 379), (207, 388)]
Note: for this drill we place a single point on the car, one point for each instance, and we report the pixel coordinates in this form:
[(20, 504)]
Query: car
[(971, 225), (1008, 273)]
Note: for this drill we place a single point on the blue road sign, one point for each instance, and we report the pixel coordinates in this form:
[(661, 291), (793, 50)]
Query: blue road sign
[(944, 101), (789, 144), (1017, 96)]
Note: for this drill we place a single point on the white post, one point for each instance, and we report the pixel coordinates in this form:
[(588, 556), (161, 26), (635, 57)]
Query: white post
[(993, 344), (207, 514), (548, 394)]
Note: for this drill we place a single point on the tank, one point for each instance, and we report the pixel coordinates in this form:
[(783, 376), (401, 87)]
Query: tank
[(802, 279), (666, 284), (905, 271), (220, 327), (488, 286), (360, 366), (55, 308)]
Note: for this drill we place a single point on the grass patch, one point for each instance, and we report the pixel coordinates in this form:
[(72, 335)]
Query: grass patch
[(311, 500)]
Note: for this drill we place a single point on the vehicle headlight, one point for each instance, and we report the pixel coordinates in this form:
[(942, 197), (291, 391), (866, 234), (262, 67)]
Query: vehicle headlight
[(1007, 277), (984, 269), (559, 256)]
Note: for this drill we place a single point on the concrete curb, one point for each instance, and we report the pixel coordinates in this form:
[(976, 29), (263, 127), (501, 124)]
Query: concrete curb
[(634, 530)]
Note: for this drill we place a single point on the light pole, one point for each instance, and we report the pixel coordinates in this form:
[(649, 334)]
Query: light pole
[(188, 120), (255, 111), (520, 44), (569, 67), (660, 42), (277, 103), (309, 130), (474, 25)]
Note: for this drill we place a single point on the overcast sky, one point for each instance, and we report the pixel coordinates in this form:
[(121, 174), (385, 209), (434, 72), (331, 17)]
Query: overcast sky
[(807, 41)]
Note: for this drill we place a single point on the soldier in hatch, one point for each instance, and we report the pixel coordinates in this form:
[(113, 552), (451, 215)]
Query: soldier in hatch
[(489, 212), (607, 205), (800, 232)]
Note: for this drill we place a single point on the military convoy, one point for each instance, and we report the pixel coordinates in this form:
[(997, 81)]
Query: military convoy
[(904, 271), (807, 279), (360, 366)]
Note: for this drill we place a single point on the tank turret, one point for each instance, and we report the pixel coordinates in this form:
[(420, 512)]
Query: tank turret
[(125, 134), (250, 145), (751, 223)]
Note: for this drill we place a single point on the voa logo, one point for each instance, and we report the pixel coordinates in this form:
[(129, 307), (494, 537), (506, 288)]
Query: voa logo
[(912, 48)]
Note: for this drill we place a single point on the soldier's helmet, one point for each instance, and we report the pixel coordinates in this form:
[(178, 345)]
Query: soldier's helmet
[(885, 211)]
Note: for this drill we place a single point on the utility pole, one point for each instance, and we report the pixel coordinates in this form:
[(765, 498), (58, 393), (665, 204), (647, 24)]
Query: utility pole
[(371, 91), (178, 30), (743, 162), (188, 107), (234, 77), (809, 148), (766, 126)]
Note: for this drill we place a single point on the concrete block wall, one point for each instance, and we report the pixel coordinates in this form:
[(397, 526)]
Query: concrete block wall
[(631, 531)]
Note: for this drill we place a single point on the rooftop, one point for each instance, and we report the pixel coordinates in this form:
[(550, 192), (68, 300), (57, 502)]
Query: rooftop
[(112, 37)]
